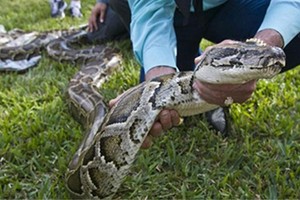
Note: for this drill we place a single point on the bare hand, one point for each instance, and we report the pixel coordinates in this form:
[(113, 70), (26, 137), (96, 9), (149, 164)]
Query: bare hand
[(98, 13), (218, 94)]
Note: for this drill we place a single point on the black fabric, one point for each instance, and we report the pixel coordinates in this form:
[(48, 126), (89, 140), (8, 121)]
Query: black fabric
[(184, 6), (198, 5)]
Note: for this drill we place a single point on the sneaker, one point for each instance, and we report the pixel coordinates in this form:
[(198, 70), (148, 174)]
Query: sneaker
[(75, 9), (57, 8), (219, 120)]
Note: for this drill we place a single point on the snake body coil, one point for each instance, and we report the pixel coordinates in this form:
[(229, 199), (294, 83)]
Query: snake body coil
[(109, 149)]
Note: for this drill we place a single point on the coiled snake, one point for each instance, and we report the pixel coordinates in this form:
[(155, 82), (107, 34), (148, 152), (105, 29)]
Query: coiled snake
[(107, 152), (113, 139)]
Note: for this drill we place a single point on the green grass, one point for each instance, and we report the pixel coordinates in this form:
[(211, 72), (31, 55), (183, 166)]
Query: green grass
[(259, 160)]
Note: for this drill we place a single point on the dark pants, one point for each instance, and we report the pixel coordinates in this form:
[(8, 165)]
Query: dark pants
[(235, 19), (113, 28)]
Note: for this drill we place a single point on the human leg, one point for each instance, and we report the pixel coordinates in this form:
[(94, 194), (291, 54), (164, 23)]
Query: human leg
[(292, 54), (122, 9), (189, 32), (188, 35)]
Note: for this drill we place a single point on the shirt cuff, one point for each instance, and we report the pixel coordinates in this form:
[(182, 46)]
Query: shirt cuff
[(159, 56), (284, 19)]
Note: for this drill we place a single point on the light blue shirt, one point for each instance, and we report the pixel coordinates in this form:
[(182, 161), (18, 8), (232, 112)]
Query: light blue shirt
[(153, 36)]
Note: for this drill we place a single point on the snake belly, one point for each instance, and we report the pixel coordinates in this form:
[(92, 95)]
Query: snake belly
[(100, 165)]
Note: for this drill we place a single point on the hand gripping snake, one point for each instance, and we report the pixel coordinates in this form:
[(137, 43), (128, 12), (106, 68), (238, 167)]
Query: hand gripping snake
[(110, 146)]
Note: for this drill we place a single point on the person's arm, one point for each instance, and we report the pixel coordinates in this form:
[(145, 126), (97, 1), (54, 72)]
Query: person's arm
[(153, 35), (281, 23)]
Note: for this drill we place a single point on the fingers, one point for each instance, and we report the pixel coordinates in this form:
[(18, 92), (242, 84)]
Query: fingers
[(166, 120), (92, 23), (114, 101), (147, 142), (224, 42), (175, 118), (156, 129), (98, 13), (102, 15), (227, 41), (221, 94)]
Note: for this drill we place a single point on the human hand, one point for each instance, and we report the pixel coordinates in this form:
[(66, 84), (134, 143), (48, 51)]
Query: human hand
[(166, 119), (224, 94), (270, 37), (98, 13)]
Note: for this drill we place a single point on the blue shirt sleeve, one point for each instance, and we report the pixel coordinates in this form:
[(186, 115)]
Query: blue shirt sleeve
[(152, 32), (284, 17)]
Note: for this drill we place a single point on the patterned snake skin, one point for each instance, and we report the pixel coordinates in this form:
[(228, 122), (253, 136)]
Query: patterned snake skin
[(110, 146), (113, 138)]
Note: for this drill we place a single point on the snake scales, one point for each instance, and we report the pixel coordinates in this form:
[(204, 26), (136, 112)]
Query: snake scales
[(113, 139), (105, 156)]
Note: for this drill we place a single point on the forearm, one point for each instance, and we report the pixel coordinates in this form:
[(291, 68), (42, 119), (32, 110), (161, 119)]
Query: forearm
[(152, 32), (283, 18)]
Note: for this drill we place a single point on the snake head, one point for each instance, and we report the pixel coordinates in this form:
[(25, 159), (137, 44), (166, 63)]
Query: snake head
[(240, 62)]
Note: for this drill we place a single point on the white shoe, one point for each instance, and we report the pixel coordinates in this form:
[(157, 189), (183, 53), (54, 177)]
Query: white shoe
[(57, 8), (75, 9)]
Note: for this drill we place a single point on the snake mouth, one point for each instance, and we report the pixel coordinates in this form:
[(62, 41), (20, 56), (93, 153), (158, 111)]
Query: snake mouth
[(276, 66)]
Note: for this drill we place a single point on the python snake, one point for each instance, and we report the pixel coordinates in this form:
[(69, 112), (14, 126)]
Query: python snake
[(106, 154), (113, 138)]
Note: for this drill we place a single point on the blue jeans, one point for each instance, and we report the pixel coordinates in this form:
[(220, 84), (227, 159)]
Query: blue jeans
[(235, 19)]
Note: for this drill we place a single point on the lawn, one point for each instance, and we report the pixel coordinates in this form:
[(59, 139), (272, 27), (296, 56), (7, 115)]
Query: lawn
[(259, 160)]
